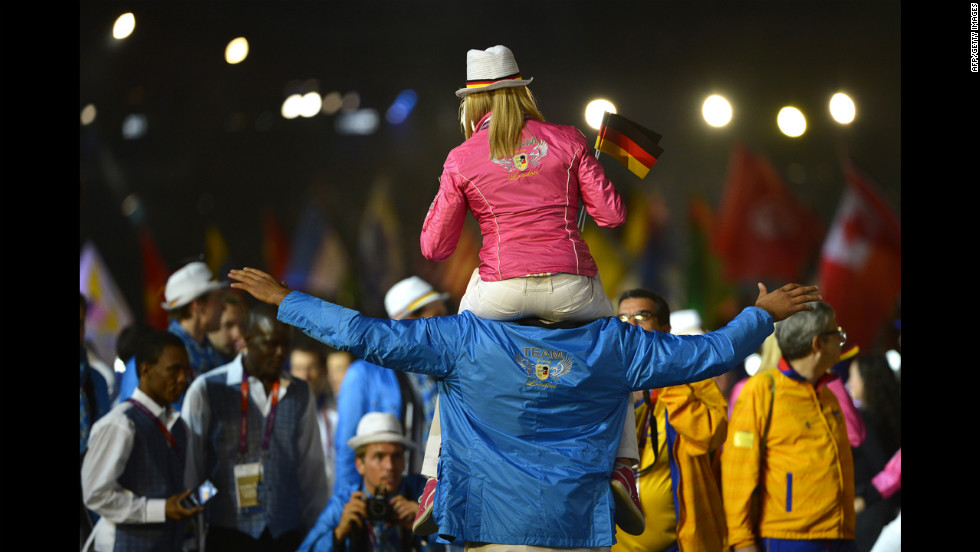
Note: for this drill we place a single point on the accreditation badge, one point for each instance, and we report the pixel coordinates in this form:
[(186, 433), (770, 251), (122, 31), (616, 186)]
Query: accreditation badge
[(247, 479)]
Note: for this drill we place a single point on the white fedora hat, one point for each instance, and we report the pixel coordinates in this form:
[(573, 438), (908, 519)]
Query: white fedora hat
[(378, 427), (409, 295), (189, 283), (491, 69)]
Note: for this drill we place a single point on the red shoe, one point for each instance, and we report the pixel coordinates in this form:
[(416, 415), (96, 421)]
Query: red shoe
[(425, 523), (629, 512)]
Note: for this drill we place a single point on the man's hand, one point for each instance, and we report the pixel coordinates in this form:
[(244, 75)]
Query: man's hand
[(750, 548), (260, 285), (785, 301), (175, 510), (404, 510), (353, 515)]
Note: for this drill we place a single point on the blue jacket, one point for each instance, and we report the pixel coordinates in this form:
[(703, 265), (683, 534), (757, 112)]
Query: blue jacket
[(320, 538), (531, 417)]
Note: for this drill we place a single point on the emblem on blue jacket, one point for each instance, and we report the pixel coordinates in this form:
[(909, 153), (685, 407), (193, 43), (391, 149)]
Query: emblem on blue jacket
[(543, 365)]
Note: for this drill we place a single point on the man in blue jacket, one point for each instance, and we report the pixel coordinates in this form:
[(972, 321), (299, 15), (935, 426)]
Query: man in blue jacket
[(531, 416)]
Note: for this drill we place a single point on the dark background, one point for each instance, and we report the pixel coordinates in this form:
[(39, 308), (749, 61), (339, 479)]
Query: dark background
[(203, 160)]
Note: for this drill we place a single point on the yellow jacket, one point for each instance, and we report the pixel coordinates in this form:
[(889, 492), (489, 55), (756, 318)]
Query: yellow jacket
[(691, 426), (807, 479)]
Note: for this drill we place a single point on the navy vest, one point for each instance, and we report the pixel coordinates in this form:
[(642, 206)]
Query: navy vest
[(154, 470), (279, 492)]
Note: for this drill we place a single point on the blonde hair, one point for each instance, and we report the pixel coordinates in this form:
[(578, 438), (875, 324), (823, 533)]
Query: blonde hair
[(509, 107)]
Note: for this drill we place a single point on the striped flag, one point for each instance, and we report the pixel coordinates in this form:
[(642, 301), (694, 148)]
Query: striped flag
[(637, 148)]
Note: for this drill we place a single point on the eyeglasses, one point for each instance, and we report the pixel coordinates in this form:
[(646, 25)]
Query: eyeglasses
[(639, 316), (839, 330)]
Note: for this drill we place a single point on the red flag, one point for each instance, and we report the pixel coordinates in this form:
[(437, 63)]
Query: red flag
[(155, 274), (762, 231), (275, 246), (861, 260)]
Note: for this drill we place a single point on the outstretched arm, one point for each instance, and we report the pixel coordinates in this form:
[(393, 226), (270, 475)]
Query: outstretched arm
[(786, 301)]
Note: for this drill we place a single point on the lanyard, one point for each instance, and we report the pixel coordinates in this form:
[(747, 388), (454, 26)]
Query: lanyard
[(243, 441), (160, 426)]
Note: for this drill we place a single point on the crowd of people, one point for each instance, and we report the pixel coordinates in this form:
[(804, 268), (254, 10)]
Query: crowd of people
[(540, 416)]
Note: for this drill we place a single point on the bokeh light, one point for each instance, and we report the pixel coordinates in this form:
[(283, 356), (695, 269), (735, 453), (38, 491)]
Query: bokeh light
[(716, 111), (124, 25), (88, 114), (791, 122), (594, 111), (292, 106), (310, 104), (401, 107), (332, 103), (236, 51), (842, 108)]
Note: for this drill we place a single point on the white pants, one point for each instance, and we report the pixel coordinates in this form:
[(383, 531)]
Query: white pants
[(557, 297)]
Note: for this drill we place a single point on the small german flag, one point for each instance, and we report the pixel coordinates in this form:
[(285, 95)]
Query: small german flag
[(637, 148)]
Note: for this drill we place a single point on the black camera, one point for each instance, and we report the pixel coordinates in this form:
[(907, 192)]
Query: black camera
[(378, 507)]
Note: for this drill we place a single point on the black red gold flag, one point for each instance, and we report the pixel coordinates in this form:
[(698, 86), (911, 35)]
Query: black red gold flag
[(636, 147)]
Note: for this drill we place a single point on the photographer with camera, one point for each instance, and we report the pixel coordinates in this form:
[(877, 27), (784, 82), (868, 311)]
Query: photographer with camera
[(377, 514)]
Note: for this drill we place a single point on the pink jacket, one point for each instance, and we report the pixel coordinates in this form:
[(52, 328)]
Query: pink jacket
[(889, 480), (526, 205)]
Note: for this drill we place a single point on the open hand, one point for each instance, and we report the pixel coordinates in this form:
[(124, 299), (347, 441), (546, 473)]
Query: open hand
[(260, 285), (786, 301)]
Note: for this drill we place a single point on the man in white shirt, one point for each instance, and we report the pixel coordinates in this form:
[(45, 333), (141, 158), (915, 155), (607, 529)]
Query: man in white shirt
[(133, 473)]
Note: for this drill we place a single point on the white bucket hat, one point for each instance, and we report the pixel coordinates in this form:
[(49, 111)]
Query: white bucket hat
[(491, 69), (379, 427), (410, 294), (189, 283)]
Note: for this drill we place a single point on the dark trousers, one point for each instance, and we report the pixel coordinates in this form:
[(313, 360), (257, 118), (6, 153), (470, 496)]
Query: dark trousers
[(818, 545), (222, 539)]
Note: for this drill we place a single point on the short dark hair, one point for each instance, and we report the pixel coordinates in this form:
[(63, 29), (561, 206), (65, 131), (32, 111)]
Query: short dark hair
[(661, 309), (257, 314), (151, 345), (129, 337)]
